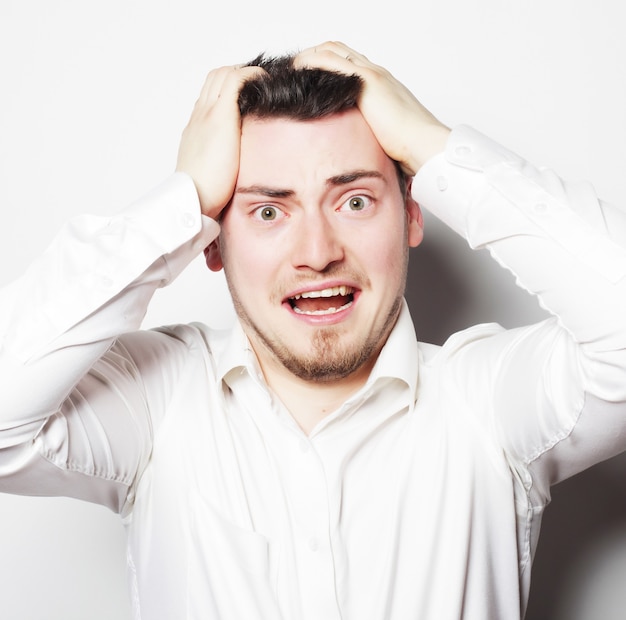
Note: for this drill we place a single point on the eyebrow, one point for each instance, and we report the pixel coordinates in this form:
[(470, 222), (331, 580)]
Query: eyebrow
[(262, 190), (340, 179), (354, 175)]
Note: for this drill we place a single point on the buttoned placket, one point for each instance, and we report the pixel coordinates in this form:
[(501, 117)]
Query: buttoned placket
[(312, 530), (307, 512)]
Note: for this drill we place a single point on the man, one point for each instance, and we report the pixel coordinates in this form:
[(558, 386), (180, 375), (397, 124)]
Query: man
[(316, 461)]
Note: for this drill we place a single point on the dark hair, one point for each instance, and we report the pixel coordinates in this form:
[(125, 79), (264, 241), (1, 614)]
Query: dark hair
[(300, 94)]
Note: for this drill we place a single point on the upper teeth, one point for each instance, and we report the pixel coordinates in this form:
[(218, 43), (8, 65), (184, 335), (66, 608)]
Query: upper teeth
[(327, 292)]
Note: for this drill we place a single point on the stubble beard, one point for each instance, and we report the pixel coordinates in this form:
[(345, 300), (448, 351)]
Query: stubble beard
[(328, 358)]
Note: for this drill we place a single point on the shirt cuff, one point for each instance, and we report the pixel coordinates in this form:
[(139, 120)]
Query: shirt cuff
[(449, 183), (487, 193)]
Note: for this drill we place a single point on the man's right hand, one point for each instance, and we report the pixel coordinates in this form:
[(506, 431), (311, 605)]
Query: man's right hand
[(209, 147)]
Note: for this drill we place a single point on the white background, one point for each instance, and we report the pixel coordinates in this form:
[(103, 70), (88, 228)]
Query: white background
[(93, 98)]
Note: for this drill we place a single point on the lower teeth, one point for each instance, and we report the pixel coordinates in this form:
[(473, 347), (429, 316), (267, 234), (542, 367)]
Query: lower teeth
[(321, 312)]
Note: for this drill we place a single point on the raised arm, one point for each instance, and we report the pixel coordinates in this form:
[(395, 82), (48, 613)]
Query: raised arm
[(405, 129), (555, 392), (59, 322), (209, 148)]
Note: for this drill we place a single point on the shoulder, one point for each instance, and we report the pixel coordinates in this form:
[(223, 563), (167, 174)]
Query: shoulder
[(474, 360), (458, 343), (170, 344)]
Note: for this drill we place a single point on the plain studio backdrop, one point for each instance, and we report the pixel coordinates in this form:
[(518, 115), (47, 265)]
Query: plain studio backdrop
[(94, 98)]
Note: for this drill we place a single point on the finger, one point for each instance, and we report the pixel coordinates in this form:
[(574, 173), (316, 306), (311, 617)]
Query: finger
[(224, 81), (212, 85), (337, 47), (326, 60), (332, 56), (233, 81), (347, 52)]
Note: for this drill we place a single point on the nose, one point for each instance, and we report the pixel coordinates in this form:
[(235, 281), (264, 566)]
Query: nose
[(317, 243)]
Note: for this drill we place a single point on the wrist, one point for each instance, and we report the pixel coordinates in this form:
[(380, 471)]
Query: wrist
[(430, 142)]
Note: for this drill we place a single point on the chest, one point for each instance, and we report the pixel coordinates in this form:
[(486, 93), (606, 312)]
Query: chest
[(379, 513)]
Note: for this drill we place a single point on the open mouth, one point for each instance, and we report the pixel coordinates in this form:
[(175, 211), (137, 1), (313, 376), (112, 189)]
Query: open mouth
[(322, 302)]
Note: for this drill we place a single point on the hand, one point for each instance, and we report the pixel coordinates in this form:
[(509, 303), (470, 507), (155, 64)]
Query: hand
[(405, 129), (209, 147)]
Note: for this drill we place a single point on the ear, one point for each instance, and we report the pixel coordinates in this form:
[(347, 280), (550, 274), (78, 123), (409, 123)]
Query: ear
[(415, 219), (213, 255)]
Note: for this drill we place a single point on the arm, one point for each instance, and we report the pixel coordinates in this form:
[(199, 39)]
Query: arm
[(405, 129), (557, 398), (556, 392), (64, 381)]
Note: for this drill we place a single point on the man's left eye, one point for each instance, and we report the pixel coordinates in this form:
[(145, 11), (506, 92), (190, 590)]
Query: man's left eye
[(356, 203)]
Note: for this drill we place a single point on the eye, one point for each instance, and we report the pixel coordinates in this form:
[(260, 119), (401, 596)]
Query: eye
[(267, 213), (356, 203)]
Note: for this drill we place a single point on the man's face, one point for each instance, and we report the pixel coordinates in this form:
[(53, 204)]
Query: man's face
[(315, 244)]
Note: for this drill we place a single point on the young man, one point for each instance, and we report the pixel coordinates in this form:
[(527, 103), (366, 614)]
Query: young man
[(316, 461)]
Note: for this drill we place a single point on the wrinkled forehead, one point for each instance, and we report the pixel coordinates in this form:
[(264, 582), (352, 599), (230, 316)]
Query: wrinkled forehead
[(282, 150)]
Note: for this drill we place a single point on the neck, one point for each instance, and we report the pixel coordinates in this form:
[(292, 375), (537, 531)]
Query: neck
[(309, 402)]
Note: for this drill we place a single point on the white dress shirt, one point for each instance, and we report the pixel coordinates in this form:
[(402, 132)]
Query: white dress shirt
[(419, 498)]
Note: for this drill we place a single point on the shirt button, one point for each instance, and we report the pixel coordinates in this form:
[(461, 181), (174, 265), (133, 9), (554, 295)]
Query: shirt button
[(442, 183), (304, 446), (106, 282), (313, 544), (541, 207), (188, 220), (463, 151)]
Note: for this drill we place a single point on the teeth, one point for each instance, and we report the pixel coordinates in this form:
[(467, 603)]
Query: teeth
[(321, 312), (327, 292)]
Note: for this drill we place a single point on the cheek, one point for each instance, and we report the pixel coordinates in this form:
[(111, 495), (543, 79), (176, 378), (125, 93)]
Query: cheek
[(388, 247), (386, 266), (394, 269), (247, 263)]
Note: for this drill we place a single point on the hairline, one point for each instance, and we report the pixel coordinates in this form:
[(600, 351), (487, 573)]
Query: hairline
[(253, 116)]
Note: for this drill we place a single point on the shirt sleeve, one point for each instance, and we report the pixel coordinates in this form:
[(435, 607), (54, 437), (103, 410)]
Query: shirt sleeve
[(555, 391), (58, 326)]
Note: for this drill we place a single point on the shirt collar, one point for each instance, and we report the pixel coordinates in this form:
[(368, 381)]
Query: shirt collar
[(236, 355), (398, 358)]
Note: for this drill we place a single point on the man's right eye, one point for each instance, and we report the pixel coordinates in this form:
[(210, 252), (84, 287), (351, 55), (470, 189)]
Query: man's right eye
[(267, 213)]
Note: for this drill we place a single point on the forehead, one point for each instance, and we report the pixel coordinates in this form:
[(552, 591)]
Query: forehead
[(283, 151)]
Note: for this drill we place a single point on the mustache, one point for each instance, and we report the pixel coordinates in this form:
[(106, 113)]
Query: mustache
[(313, 279)]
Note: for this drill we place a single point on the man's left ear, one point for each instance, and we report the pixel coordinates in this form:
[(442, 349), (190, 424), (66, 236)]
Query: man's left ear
[(213, 255), (415, 219)]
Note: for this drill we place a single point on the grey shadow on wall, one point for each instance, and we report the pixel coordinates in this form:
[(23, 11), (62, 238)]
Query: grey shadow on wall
[(451, 287)]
